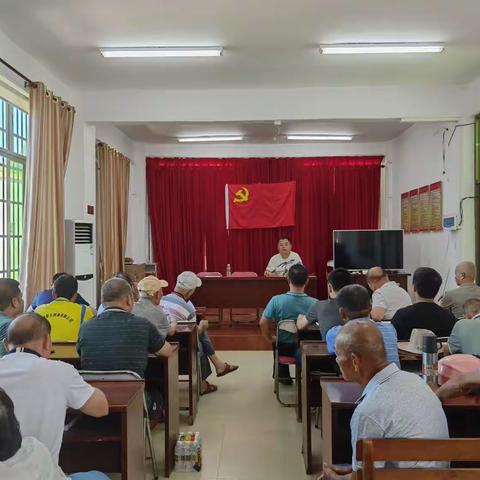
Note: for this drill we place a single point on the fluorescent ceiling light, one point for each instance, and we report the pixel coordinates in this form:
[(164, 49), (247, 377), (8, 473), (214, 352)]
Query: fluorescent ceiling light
[(150, 52), (367, 48), (340, 138), (218, 138)]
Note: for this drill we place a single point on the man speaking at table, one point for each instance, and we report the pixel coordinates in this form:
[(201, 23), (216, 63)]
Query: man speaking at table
[(280, 264)]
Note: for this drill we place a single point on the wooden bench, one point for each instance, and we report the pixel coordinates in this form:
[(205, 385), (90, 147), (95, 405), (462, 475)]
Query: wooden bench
[(452, 450)]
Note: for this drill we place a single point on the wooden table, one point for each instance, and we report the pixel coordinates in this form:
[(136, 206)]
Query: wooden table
[(114, 443), (315, 357), (186, 336), (243, 292), (164, 369), (338, 404)]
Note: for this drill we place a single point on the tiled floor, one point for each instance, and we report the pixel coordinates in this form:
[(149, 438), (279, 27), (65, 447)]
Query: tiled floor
[(246, 433)]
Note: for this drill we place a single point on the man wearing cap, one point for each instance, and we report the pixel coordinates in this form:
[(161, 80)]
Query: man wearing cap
[(179, 307), (148, 305)]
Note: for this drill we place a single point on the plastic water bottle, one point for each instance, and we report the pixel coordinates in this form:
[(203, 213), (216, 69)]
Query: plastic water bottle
[(430, 359), (229, 270)]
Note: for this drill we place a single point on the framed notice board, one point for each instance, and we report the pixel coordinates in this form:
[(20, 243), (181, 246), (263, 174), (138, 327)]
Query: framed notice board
[(422, 209)]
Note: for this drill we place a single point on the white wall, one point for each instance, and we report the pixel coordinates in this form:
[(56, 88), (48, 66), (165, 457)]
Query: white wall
[(417, 161)]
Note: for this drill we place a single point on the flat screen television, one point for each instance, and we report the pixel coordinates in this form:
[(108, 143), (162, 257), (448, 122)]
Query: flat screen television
[(363, 249)]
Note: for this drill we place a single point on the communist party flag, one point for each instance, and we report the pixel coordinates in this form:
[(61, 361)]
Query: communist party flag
[(260, 205)]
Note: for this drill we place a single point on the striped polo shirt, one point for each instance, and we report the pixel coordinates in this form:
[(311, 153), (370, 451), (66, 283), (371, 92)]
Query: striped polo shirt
[(389, 338), (178, 308), (118, 340)]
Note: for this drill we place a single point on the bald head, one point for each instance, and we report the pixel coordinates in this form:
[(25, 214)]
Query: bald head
[(465, 272), (364, 339), (27, 329), (376, 278), (117, 292)]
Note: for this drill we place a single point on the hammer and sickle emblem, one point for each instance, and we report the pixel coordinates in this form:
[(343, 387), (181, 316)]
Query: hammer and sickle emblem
[(241, 196)]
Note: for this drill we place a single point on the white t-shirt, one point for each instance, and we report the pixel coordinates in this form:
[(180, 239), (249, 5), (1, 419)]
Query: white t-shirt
[(391, 297), (41, 391), (32, 462), (280, 265)]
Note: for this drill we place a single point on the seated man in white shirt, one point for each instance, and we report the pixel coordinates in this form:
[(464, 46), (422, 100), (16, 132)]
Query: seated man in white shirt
[(388, 297), (280, 264), (43, 389), (394, 403), (27, 458)]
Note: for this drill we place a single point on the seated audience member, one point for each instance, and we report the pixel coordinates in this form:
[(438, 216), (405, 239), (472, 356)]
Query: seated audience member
[(133, 285), (43, 389), (394, 403), (463, 384), (287, 306), (387, 296), (325, 312), (465, 336), (117, 339), (46, 296), (453, 300), (27, 458), (280, 263), (11, 305), (180, 309), (354, 304), (425, 313), (148, 305), (65, 316)]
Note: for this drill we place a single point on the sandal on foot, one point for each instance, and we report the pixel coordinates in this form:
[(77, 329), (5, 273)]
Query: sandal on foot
[(210, 389), (228, 369)]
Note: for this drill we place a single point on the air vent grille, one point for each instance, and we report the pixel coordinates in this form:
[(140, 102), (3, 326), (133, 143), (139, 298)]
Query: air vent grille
[(83, 233)]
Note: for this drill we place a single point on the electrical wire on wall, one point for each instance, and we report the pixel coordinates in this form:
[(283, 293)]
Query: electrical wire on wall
[(461, 208), (445, 145)]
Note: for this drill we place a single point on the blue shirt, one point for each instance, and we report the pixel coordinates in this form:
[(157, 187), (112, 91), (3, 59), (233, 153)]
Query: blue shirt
[(389, 338), (4, 323), (398, 404), (46, 296), (287, 306)]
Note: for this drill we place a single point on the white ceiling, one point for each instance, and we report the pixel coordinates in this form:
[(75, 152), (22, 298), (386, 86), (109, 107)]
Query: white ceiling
[(264, 132), (268, 43)]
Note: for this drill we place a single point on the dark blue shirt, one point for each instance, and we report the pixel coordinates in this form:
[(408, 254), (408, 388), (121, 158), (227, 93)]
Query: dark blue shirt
[(46, 296), (118, 340)]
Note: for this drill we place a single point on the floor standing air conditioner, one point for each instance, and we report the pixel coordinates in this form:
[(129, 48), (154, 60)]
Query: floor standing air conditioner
[(80, 256)]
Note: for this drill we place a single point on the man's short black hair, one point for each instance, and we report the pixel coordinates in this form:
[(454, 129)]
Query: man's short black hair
[(124, 276), (339, 278), (298, 275), (10, 436), (284, 238), (58, 275), (9, 289), (354, 300), (427, 282), (65, 286)]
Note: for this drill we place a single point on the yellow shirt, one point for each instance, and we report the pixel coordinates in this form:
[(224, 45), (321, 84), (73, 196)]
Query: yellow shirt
[(65, 317)]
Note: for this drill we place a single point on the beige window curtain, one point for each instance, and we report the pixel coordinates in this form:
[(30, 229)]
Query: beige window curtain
[(113, 176), (51, 127)]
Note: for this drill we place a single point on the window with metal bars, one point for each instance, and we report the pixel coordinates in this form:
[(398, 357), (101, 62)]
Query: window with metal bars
[(13, 155)]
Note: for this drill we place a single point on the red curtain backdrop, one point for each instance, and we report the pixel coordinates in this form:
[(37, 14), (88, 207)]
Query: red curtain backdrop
[(186, 202)]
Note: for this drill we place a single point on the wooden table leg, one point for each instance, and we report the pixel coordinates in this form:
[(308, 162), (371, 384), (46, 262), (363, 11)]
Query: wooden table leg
[(172, 420), (298, 381), (192, 379), (133, 442), (306, 417)]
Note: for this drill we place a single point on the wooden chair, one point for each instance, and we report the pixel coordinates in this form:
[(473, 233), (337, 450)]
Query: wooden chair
[(241, 317), (217, 317), (288, 326), (452, 450)]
